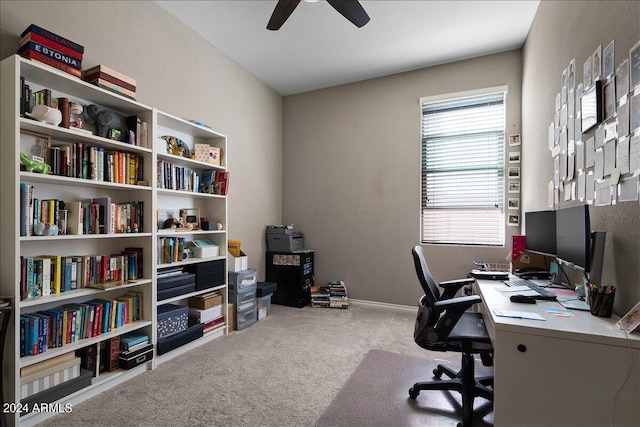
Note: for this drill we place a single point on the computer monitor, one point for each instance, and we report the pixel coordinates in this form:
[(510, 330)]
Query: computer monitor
[(540, 232), (573, 236)]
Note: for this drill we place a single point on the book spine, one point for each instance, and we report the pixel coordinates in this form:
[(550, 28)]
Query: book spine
[(94, 76), (51, 53), (30, 54), (53, 37), (36, 38)]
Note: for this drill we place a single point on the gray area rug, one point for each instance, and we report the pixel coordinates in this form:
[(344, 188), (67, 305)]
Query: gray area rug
[(282, 371), (376, 394)]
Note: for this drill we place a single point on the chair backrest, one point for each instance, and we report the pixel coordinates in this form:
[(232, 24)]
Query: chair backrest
[(429, 286)]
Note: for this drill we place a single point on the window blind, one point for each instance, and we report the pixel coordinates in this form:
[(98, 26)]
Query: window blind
[(463, 170)]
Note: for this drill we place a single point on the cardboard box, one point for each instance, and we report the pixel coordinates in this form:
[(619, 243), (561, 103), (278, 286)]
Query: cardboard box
[(206, 301), (239, 263)]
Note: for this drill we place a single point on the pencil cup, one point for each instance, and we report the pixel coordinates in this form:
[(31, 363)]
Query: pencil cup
[(601, 304)]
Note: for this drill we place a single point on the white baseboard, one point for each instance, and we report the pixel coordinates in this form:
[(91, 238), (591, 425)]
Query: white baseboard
[(383, 305)]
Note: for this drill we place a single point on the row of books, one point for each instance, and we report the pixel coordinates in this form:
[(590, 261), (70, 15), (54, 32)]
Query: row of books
[(96, 216), (46, 47), (53, 274), (175, 177), (100, 357), (72, 322), (333, 295), (170, 249), (112, 80)]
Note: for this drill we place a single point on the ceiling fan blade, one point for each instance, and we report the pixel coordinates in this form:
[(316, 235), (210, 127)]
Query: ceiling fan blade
[(352, 10), (283, 10)]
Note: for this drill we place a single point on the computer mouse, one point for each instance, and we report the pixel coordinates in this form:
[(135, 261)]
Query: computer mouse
[(522, 298)]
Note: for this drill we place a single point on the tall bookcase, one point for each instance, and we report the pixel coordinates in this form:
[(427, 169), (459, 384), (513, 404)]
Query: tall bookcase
[(15, 133), (177, 177)]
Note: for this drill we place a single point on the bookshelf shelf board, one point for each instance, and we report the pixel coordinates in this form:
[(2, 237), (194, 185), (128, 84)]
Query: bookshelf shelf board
[(46, 76), (31, 177), (184, 126), (209, 336), (83, 237), (189, 261), (53, 352), (98, 384), (56, 298), (171, 233), (183, 161), (59, 133), (168, 192), (190, 294)]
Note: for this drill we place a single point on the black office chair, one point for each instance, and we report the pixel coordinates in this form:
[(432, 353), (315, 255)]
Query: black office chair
[(443, 324)]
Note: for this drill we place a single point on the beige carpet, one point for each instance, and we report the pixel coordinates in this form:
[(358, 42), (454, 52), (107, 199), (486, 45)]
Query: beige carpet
[(376, 394)]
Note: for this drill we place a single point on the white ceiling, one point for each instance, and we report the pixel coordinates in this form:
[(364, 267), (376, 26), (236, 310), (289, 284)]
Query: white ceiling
[(317, 47)]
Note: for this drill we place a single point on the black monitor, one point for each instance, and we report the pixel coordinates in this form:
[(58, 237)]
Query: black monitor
[(573, 236), (540, 231)]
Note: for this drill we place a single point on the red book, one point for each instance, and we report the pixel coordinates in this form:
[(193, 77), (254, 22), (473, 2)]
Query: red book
[(33, 28), (36, 38), (94, 76), (36, 56), (223, 179)]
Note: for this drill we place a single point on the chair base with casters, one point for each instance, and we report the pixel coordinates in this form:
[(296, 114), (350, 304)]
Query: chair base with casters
[(444, 324)]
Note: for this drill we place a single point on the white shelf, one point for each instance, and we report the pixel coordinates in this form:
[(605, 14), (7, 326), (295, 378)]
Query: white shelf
[(76, 293), (35, 178), (53, 352), (191, 294)]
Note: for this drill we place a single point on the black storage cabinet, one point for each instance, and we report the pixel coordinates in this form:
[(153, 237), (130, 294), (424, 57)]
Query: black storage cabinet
[(293, 272)]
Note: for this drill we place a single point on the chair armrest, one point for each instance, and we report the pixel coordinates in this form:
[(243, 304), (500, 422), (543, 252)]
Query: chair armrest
[(458, 304), (451, 287)]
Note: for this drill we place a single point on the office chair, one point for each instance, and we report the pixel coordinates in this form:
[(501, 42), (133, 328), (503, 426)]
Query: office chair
[(443, 324)]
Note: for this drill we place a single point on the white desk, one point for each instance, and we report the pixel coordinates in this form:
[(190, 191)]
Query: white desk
[(563, 371)]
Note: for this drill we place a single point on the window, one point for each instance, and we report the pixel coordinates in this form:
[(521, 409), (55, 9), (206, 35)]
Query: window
[(463, 168)]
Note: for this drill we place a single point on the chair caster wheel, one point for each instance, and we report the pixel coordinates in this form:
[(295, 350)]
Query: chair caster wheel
[(437, 374), (413, 394)]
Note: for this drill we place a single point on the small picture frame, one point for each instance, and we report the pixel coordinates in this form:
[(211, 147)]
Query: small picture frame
[(587, 78), (514, 186), (514, 140), (622, 80), (514, 157), (514, 172), (190, 218), (596, 61), (168, 218), (35, 145), (608, 60), (609, 93), (513, 220), (513, 203), (631, 320), (634, 66)]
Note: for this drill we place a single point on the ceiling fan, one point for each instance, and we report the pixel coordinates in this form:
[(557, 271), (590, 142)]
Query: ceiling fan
[(350, 9)]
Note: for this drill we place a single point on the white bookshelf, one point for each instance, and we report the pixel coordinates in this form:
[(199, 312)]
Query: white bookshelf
[(70, 189)]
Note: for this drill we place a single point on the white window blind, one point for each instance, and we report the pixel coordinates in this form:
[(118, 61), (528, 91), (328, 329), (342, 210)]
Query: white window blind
[(463, 170)]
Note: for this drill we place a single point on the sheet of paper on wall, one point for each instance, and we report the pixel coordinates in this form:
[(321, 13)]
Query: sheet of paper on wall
[(567, 191), (556, 171), (634, 153), (571, 163), (598, 168), (599, 136), (589, 152), (571, 100), (563, 165), (590, 187), (551, 136), (582, 182), (579, 155), (578, 128), (563, 140), (622, 155), (609, 158), (628, 189), (603, 195), (550, 190), (623, 119)]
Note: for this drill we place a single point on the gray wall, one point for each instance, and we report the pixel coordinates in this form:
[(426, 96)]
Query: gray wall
[(562, 31), (351, 176), (178, 72)]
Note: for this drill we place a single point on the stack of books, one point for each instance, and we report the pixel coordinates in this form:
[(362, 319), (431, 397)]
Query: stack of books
[(333, 295), (46, 47), (112, 80)]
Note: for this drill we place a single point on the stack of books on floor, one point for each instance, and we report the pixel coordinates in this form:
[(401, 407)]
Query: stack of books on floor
[(46, 47), (112, 80), (52, 379), (333, 295)]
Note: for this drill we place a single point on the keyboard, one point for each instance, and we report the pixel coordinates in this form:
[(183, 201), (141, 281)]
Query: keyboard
[(543, 294)]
